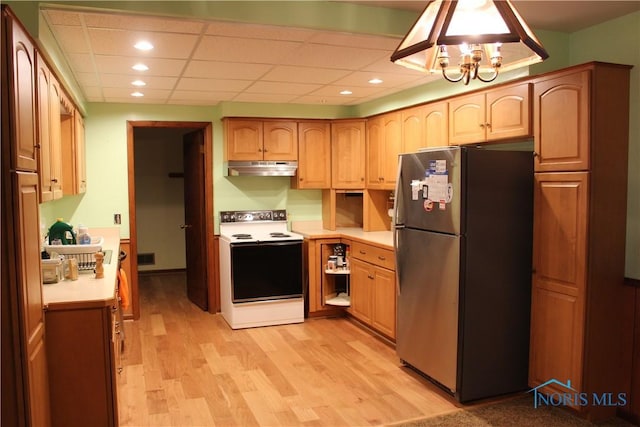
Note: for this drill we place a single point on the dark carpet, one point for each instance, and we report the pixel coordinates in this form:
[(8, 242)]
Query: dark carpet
[(517, 411)]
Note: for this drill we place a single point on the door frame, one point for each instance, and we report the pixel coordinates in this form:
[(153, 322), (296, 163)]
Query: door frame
[(212, 276)]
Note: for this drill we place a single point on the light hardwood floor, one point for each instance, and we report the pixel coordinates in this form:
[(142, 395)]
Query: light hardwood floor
[(185, 367)]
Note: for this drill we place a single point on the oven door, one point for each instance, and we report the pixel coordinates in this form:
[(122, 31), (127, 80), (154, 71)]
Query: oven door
[(263, 271)]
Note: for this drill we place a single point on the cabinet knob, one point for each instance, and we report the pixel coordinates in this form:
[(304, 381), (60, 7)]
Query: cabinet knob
[(488, 125), (370, 276), (362, 252), (301, 179), (54, 180), (265, 150), (259, 150), (481, 125), (381, 258)]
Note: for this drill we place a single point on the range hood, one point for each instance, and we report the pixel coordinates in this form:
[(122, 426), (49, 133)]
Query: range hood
[(260, 168)]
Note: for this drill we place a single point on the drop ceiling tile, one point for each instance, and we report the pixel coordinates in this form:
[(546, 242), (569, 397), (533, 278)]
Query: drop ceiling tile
[(317, 55), (81, 63), (361, 79), (212, 84), (157, 67), (385, 65), (87, 79), (193, 101), (132, 100), (142, 23), (275, 98), (92, 93), (286, 73), (116, 92), (355, 40), (282, 88), (202, 95), (222, 70), (73, 38), (62, 17), (331, 90), (262, 32), (244, 50), (124, 81), (120, 42), (325, 100)]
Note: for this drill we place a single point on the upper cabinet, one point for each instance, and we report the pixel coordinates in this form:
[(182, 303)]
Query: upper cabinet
[(348, 154), (491, 115), (561, 106), (20, 68), (425, 126), (250, 139), (384, 140), (49, 97), (73, 150), (314, 155)]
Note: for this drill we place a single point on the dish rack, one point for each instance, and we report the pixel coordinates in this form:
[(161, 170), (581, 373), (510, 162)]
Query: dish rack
[(84, 254)]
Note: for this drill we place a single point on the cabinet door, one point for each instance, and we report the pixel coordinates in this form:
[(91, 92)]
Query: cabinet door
[(467, 123), (362, 285), (280, 140), (55, 96), (508, 112), (243, 139), (413, 129), (559, 261), (80, 153), (44, 136), (391, 149), (384, 302), (23, 66), (375, 148), (435, 122), (561, 122), (32, 324), (314, 155), (348, 154)]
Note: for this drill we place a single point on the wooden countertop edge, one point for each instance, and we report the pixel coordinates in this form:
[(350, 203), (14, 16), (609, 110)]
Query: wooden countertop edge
[(346, 236), (79, 305)]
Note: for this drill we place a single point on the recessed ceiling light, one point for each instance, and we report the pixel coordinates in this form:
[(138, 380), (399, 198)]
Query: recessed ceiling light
[(375, 81), (138, 83), (143, 45), (345, 92), (140, 67), (137, 94)]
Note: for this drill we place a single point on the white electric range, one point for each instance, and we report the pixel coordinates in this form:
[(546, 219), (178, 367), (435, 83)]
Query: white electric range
[(261, 269)]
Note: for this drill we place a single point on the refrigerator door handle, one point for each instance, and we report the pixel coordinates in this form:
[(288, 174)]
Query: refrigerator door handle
[(397, 227)]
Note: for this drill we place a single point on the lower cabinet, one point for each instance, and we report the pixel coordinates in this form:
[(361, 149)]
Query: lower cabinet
[(373, 297), (83, 347)]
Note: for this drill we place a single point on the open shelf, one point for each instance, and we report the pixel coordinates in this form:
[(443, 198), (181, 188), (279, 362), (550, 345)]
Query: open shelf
[(326, 270), (340, 300)]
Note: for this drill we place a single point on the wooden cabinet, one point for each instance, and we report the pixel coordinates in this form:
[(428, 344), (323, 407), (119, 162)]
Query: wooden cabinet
[(25, 389), (561, 123), (348, 154), (49, 132), (496, 114), (373, 287), (252, 139), (425, 126), (384, 139), (83, 379), (73, 149), (314, 155), (321, 285), (579, 298)]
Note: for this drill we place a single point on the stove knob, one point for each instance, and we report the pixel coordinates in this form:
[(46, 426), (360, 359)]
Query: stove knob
[(261, 216)]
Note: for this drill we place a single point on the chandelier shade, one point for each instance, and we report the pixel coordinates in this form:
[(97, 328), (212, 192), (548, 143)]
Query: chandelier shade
[(484, 36)]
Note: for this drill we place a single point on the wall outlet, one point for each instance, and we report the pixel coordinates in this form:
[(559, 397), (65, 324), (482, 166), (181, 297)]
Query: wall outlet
[(116, 219)]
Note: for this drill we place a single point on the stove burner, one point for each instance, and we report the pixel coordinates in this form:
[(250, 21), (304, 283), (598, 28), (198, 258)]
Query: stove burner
[(279, 234), (241, 236)]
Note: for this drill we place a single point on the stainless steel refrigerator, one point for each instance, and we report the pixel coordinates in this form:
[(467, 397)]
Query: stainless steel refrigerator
[(463, 237)]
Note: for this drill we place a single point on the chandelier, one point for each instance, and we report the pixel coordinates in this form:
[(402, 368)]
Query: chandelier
[(486, 37)]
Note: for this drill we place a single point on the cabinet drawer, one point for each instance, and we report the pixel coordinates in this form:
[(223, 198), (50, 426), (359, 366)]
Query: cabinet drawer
[(374, 255)]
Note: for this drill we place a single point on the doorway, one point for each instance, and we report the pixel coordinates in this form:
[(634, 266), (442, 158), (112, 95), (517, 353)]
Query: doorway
[(188, 240)]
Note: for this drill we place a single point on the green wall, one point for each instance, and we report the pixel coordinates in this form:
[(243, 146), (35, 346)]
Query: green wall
[(613, 41)]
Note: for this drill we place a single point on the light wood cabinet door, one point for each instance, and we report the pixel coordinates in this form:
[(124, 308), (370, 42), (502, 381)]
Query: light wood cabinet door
[(362, 287), (559, 278), (80, 154), (467, 122), (23, 69), (55, 137), (425, 126), (348, 154), (561, 122), (375, 146), (74, 174), (243, 139), (314, 155), (280, 140), (384, 302), (508, 112), (384, 139), (44, 136)]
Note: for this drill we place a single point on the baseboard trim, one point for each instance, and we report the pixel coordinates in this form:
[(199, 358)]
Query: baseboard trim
[(156, 272)]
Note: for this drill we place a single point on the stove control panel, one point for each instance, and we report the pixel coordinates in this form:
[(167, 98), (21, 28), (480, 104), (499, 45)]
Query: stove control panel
[(253, 216)]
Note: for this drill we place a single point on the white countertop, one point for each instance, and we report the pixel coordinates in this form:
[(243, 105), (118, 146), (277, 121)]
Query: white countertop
[(314, 230), (87, 290)]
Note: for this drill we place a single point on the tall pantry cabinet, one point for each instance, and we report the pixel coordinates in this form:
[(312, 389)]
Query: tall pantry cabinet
[(25, 391), (581, 125)]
